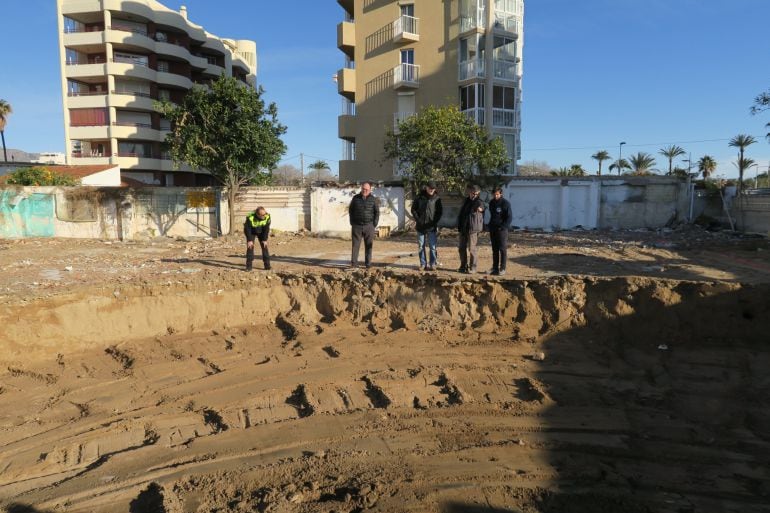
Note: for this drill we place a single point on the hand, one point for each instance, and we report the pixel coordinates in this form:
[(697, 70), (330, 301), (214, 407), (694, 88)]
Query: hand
[(481, 209), (250, 244)]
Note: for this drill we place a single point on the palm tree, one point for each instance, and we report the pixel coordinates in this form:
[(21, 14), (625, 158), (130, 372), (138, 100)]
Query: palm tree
[(601, 156), (641, 163), (620, 165), (318, 165), (672, 152), (741, 141), (5, 110), (707, 165)]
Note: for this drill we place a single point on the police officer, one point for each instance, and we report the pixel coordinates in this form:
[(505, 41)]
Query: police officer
[(257, 226)]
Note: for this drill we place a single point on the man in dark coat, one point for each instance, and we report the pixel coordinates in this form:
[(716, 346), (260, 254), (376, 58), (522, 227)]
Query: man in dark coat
[(257, 227), (427, 212), (364, 215), (470, 223), (499, 221)]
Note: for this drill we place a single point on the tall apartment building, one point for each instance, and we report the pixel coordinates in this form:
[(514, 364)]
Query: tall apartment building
[(117, 57), (402, 55)]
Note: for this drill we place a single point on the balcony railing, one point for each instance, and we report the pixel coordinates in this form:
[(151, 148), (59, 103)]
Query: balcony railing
[(132, 124), (505, 118), (133, 93), (133, 30), (406, 75), (135, 62), (86, 93), (82, 30), (471, 69), (87, 155), (405, 26), (475, 115), (505, 21)]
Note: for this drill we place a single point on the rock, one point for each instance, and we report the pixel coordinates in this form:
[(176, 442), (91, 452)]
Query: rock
[(540, 356), (68, 268), (295, 497)]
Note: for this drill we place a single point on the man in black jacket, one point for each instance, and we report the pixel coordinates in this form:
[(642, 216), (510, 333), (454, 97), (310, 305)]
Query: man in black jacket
[(470, 223), (499, 221), (427, 211), (257, 226), (364, 216)]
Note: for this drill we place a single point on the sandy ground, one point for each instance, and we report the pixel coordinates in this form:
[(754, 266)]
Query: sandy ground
[(160, 377)]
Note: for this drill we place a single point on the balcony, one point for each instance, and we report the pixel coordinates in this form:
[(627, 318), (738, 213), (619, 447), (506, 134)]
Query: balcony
[(346, 83), (471, 69), (346, 38), (406, 76), (144, 131), (83, 70), (347, 5), (505, 70), (504, 118), (73, 39), (405, 29), (346, 127), (506, 22), (86, 100), (473, 22), (89, 132), (475, 115)]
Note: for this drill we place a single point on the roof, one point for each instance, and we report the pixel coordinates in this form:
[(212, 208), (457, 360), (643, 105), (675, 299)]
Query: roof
[(130, 182), (79, 172)]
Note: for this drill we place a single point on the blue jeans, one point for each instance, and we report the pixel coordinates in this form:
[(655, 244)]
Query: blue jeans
[(431, 238)]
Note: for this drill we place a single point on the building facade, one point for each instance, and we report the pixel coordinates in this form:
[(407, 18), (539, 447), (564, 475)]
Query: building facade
[(402, 55), (117, 58)]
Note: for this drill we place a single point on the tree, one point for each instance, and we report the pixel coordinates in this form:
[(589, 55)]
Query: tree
[(442, 143), (287, 175), (620, 165), (741, 141), (534, 168), (228, 130), (761, 104), (5, 110), (39, 176), (321, 169), (573, 170), (641, 163), (707, 165), (672, 152), (601, 156)]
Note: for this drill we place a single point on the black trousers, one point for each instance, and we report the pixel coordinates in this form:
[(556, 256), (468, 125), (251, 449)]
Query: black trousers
[(499, 239), (250, 255), (366, 233)]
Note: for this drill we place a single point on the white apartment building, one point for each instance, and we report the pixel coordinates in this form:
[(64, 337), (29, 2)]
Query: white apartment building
[(117, 57)]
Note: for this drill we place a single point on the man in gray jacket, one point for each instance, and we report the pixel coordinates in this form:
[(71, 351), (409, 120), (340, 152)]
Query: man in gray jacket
[(470, 223)]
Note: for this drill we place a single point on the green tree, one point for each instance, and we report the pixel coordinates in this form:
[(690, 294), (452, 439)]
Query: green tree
[(761, 104), (601, 156), (5, 110), (442, 143), (620, 165), (227, 130), (707, 165), (672, 152), (741, 141), (573, 170), (39, 176), (321, 168), (641, 163)]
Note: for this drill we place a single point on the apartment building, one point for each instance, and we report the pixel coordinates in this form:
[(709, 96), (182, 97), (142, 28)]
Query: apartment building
[(117, 57), (402, 55)]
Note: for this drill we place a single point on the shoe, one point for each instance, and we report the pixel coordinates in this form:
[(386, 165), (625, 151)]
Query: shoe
[(494, 272), (502, 272), (431, 268), (422, 268), (473, 271), (248, 269), (267, 268), (463, 270)]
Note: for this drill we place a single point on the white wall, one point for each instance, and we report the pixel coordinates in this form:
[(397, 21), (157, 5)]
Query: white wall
[(329, 209), (108, 178), (553, 204)]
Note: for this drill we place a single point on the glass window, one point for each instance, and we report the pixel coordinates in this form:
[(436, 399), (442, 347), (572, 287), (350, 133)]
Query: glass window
[(407, 56), (407, 10), (504, 97)]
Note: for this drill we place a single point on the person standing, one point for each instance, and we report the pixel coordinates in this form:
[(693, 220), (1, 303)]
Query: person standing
[(499, 222), (257, 227), (470, 223), (427, 212), (364, 215)]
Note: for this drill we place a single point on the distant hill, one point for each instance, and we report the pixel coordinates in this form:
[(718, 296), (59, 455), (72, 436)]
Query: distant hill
[(18, 155)]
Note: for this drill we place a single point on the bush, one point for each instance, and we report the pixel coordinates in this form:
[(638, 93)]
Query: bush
[(38, 176)]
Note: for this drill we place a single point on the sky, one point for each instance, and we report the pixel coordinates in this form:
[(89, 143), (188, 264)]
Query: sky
[(596, 72)]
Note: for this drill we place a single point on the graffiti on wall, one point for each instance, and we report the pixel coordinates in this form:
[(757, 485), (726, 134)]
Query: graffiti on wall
[(26, 215)]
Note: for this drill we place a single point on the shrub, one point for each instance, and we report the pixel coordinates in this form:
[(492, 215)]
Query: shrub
[(37, 176)]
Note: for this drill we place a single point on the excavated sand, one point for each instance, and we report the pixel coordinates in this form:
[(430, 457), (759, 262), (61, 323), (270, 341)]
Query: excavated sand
[(388, 392)]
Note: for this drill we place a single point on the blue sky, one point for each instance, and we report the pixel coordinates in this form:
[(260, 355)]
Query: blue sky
[(596, 72)]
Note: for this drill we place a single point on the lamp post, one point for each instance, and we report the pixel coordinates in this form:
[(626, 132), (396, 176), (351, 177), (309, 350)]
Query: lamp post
[(620, 156), (756, 175)]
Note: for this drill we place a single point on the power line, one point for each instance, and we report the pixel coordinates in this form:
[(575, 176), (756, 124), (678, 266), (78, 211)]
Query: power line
[(634, 145)]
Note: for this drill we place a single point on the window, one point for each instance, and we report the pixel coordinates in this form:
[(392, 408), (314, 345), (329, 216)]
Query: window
[(472, 96), (505, 49), (407, 56), (163, 66), (407, 10), (88, 117), (504, 97), (164, 94)]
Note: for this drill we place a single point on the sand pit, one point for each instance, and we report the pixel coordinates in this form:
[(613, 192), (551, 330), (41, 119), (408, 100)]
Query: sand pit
[(388, 392)]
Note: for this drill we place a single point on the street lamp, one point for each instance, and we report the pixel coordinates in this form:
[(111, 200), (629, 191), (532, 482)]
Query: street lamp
[(756, 175), (620, 156)]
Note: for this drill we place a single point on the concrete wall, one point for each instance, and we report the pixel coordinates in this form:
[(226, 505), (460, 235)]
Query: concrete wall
[(108, 213), (751, 213), (289, 207), (329, 209)]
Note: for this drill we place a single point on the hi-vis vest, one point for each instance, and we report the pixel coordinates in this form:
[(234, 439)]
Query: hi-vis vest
[(256, 223)]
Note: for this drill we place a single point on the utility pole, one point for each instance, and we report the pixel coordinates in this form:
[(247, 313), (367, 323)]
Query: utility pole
[(302, 165)]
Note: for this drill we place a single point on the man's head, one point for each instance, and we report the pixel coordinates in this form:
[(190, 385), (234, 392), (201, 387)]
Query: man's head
[(473, 191), (430, 187), (261, 212), (366, 189), (498, 193)]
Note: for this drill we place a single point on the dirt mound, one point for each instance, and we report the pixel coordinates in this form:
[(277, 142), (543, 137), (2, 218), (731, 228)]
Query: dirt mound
[(383, 392)]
